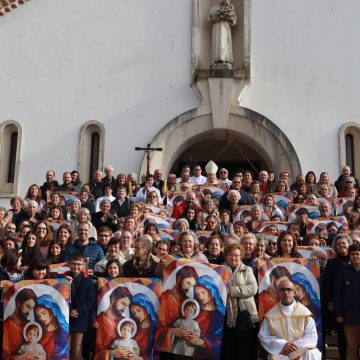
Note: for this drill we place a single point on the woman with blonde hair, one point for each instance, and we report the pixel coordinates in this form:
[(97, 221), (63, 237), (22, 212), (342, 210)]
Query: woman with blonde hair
[(240, 328), (83, 216)]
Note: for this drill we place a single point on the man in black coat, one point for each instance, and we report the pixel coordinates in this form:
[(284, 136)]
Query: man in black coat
[(158, 181), (97, 185), (50, 176), (121, 205), (345, 173), (108, 179)]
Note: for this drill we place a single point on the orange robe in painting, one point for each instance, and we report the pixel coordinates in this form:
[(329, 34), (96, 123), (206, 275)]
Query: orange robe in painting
[(266, 302), (48, 341), (170, 311), (105, 336), (12, 339)]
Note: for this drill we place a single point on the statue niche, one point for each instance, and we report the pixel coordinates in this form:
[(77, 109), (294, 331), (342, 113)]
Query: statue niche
[(221, 39), (223, 17)]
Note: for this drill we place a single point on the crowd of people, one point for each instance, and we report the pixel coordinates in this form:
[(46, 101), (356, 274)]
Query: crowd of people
[(125, 227)]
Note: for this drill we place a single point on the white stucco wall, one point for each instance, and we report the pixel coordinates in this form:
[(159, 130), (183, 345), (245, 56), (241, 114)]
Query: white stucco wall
[(127, 65), (305, 75)]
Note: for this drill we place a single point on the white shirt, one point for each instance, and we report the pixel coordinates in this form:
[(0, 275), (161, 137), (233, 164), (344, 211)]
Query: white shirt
[(198, 180)]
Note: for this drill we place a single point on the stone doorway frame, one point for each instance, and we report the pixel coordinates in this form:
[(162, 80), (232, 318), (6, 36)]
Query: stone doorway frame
[(248, 126)]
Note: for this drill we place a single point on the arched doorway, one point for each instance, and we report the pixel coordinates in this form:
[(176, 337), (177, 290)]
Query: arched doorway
[(227, 150), (253, 135)]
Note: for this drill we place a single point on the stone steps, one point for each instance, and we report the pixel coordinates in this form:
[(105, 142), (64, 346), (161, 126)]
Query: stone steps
[(332, 352)]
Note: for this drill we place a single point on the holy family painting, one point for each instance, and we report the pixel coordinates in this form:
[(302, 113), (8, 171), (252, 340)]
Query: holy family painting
[(192, 309), (127, 317), (36, 319)]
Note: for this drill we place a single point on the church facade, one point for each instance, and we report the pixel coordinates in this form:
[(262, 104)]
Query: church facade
[(271, 85)]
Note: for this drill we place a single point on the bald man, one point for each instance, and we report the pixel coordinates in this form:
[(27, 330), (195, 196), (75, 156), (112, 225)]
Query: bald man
[(288, 330)]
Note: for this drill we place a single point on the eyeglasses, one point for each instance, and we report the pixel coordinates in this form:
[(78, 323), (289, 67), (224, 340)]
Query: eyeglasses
[(76, 264), (286, 289)]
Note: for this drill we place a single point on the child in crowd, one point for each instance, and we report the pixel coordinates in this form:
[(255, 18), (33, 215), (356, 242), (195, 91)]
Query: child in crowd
[(83, 304)]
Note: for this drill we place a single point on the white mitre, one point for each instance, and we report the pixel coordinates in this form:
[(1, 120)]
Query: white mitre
[(211, 167)]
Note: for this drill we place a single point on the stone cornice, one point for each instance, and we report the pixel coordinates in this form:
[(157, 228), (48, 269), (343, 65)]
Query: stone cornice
[(8, 5)]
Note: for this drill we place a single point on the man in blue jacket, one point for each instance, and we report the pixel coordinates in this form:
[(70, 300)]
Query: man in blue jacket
[(86, 246)]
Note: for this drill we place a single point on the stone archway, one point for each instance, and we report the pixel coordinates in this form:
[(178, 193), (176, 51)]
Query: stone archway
[(249, 127), (227, 149)]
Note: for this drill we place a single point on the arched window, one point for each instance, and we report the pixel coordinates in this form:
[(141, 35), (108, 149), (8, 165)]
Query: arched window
[(91, 149), (349, 145), (10, 140), (94, 153)]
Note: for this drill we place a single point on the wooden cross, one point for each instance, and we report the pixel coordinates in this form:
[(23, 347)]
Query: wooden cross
[(148, 150)]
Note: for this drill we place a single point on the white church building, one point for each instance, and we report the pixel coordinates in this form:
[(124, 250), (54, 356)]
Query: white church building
[(83, 82)]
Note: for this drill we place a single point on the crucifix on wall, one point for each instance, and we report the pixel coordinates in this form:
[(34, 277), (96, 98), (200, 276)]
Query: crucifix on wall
[(148, 150)]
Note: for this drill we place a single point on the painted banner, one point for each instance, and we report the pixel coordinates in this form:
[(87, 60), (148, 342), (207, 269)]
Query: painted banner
[(312, 211), (343, 205), (282, 199), (127, 316), (192, 309), (306, 278), (340, 221), (214, 192), (160, 222), (36, 319)]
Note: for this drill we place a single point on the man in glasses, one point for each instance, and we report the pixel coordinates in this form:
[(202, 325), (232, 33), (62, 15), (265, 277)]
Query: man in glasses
[(288, 330), (223, 177)]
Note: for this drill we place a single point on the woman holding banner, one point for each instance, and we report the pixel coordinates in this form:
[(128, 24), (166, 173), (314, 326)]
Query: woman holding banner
[(241, 313)]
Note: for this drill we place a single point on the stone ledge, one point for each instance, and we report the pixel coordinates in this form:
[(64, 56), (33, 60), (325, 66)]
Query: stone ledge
[(8, 5), (221, 73)]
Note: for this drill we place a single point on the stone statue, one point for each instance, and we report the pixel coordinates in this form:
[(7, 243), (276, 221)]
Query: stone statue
[(222, 16)]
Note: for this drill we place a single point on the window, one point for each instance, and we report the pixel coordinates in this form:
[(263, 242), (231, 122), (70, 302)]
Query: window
[(349, 143), (94, 153), (349, 146), (12, 157), (91, 149), (10, 140)]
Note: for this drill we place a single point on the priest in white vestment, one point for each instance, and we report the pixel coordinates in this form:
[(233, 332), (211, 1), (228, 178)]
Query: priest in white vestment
[(288, 330)]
